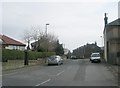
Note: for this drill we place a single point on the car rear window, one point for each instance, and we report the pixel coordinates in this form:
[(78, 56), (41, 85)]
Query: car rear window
[(53, 57)]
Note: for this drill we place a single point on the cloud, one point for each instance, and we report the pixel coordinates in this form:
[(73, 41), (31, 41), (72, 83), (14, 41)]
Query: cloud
[(61, 1), (74, 23)]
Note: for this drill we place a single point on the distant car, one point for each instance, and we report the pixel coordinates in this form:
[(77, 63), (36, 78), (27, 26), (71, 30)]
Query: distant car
[(55, 59), (73, 57), (95, 57)]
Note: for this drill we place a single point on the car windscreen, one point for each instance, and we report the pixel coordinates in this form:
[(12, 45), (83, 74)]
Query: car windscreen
[(95, 55)]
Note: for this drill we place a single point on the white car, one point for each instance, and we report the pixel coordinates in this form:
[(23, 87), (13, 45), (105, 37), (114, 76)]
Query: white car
[(55, 59), (95, 57), (73, 57)]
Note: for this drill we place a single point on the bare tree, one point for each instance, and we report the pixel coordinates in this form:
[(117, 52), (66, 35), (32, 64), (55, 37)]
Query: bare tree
[(27, 38), (41, 42), (52, 42), (37, 34), (52, 37)]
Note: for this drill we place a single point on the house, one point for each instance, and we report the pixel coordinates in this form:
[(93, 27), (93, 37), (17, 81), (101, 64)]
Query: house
[(10, 43), (86, 50), (112, 41)]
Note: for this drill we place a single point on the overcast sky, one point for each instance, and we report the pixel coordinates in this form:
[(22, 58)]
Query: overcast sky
[(74, 22)]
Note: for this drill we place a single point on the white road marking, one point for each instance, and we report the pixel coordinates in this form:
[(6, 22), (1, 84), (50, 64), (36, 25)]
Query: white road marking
[(59, 73), (43, 82)]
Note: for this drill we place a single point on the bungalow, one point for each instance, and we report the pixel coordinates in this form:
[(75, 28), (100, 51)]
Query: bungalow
[(10, 43), (112, 41)]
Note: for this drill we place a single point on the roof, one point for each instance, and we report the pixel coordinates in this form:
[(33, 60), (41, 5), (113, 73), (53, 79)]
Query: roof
[(10, 41), (114, 23)]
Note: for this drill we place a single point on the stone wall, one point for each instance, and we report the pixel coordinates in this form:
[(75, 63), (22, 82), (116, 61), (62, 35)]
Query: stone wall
[(14, 64)]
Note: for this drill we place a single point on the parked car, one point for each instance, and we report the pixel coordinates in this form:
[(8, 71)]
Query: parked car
[(73, 57), (55, 59), (95, 57)]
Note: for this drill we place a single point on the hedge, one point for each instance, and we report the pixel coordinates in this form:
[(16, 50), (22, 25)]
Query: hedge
[(19, 55), (32, 55)]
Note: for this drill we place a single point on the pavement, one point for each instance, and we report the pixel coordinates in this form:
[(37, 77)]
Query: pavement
[(113, 68)]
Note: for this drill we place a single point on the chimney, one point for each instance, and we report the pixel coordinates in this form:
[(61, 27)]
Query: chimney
[(106, 19)]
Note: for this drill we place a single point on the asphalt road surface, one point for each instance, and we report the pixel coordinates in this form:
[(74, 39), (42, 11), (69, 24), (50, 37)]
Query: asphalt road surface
[(71, 73)]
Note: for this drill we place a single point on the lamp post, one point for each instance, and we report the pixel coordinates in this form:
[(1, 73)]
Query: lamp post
[(46, 41), (46, 29), (46, 36), (101, 41)]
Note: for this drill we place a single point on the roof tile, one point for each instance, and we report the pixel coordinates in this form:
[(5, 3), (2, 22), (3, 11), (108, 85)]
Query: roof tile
[(10, 41)]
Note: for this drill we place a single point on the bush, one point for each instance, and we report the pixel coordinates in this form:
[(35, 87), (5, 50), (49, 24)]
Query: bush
[(32, 55), (12, 55), (19, 55)]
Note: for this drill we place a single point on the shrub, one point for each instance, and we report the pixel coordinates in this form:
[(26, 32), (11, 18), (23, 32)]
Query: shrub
[(12, 55), (33, 55), (20, 55)]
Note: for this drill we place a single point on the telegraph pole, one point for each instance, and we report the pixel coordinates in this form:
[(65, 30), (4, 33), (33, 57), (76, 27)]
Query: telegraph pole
[(106, 19)]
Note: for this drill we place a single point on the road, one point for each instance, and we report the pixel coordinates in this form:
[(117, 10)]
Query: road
[(71, 73)]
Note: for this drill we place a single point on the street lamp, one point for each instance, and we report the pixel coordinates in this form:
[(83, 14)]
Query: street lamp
[(101, 41), (46, 29), (46, 40)]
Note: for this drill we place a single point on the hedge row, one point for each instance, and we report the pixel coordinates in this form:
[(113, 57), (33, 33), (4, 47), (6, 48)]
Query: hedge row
[(32, 55), (19, 55)]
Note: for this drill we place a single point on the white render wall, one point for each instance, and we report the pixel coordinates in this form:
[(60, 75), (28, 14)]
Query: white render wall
[(15, 47)]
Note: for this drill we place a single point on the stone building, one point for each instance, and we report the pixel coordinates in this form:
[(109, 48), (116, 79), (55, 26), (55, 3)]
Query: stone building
[(112, 41)]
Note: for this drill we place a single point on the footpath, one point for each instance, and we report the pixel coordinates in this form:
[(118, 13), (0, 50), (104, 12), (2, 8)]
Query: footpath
[(115, 69)]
